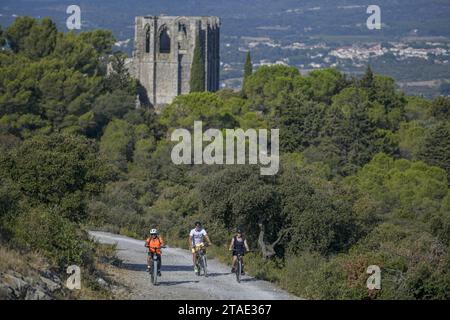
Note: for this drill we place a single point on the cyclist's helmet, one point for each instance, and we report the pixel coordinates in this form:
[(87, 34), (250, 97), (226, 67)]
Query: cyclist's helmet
[(153, 232)]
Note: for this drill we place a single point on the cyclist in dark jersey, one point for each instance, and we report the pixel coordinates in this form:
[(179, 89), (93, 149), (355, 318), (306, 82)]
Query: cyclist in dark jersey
[(238, 245)]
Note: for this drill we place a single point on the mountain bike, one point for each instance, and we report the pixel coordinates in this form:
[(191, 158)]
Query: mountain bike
[(154, 266), (239, 266), (202, 264)]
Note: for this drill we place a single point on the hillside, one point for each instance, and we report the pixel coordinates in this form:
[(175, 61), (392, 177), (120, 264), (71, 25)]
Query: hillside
[(364, 169)]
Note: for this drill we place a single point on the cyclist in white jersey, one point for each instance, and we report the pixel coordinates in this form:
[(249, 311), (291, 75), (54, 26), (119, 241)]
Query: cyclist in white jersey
[(197, 237)]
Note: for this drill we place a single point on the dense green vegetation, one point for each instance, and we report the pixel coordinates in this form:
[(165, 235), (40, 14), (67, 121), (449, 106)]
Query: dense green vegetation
[(55, 98), (364, 175)]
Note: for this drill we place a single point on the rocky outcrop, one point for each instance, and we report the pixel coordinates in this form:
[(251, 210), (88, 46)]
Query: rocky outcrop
[(15, 286)]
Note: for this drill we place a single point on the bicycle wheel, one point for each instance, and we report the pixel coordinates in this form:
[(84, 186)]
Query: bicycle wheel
[(238, 270), (198, 265), (151, 273), (204, 266), (155, 272)]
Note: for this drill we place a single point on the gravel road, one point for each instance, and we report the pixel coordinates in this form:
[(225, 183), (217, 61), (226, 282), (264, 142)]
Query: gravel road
[(178, 280)]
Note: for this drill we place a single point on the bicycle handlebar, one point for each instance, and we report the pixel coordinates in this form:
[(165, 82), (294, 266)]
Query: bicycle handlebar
[(204, 245), (156, 248)]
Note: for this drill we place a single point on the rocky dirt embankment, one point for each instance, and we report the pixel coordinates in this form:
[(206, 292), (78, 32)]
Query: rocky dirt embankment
[(44, 286), (30, 277)]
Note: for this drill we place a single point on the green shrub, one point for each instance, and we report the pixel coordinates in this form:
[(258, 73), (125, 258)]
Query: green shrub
[(57, 238), (58, 171)]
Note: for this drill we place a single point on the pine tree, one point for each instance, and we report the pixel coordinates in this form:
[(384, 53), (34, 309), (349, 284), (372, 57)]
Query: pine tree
[(248, 69), (18, 31), (367, 82), (42, 39), (436, 151), (2, 38), (351, 133), (197, 80), (440, 108)]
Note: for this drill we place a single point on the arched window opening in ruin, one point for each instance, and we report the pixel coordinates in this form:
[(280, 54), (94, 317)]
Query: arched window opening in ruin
[(164, 41), (147, 40), (182, 37), (182, 29)]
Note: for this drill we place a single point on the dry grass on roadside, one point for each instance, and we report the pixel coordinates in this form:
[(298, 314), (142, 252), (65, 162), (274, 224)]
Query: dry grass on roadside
[(106, 251), (12, 260)]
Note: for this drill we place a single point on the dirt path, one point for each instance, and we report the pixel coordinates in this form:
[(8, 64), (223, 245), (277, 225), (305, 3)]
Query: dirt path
[(178, 280)]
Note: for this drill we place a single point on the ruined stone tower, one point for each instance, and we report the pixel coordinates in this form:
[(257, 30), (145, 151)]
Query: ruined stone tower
[(163, 52)]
